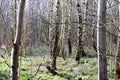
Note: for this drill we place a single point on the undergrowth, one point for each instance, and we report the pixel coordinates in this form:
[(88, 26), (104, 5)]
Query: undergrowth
[(86, 69)]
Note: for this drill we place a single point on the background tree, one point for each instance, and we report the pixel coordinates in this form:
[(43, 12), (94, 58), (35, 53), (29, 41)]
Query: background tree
[(69, 29), (117, 72), (51, 26), (63, 27), (56, 38), (79, 34)]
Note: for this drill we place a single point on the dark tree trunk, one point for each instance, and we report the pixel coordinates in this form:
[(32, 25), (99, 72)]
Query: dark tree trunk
[(69, 46), (101, 40), (55, 46)]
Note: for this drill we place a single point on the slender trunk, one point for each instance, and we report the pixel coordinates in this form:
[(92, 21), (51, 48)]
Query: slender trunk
[(55, 48), (79, 34), (62, 36), (13, 18), (85, 13), (69, 29), (93, 29), (101, 40), (17, 42), (117, 72), (51, 29)]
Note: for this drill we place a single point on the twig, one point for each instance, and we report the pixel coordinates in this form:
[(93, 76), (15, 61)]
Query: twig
[(49, 69), (5, 61), (36, 72)]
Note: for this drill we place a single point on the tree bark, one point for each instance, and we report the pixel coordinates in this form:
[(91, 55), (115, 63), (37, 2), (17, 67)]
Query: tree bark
[(101, 40), (51, 28), (79, 34), (56, 39), (117, 60), (93, 29), (69, 29), (13, 17), (62, 35), (117, 70), (17, 42)]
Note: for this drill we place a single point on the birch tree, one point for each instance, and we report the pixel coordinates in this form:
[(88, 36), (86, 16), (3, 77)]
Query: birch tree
[(17, 42), (101, 40)]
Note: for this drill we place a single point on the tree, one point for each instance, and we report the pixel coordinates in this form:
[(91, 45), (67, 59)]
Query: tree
[(17, 42), (93, 29), (79, 34), (69, 29), (56, 38), (51, 28), (101, 40), (117, 72), (62, 35), (13, 17)]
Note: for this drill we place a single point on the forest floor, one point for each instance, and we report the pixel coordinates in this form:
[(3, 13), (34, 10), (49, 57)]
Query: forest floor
[(34, 67), (86, 69)]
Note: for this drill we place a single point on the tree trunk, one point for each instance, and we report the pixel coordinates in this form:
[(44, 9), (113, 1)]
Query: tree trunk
[(69, 29), (13, 17), (79, 34), (62, 36), (93, 29), (101, 40), (117, 72), (17, 42), (51, 28), (55, 48)]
